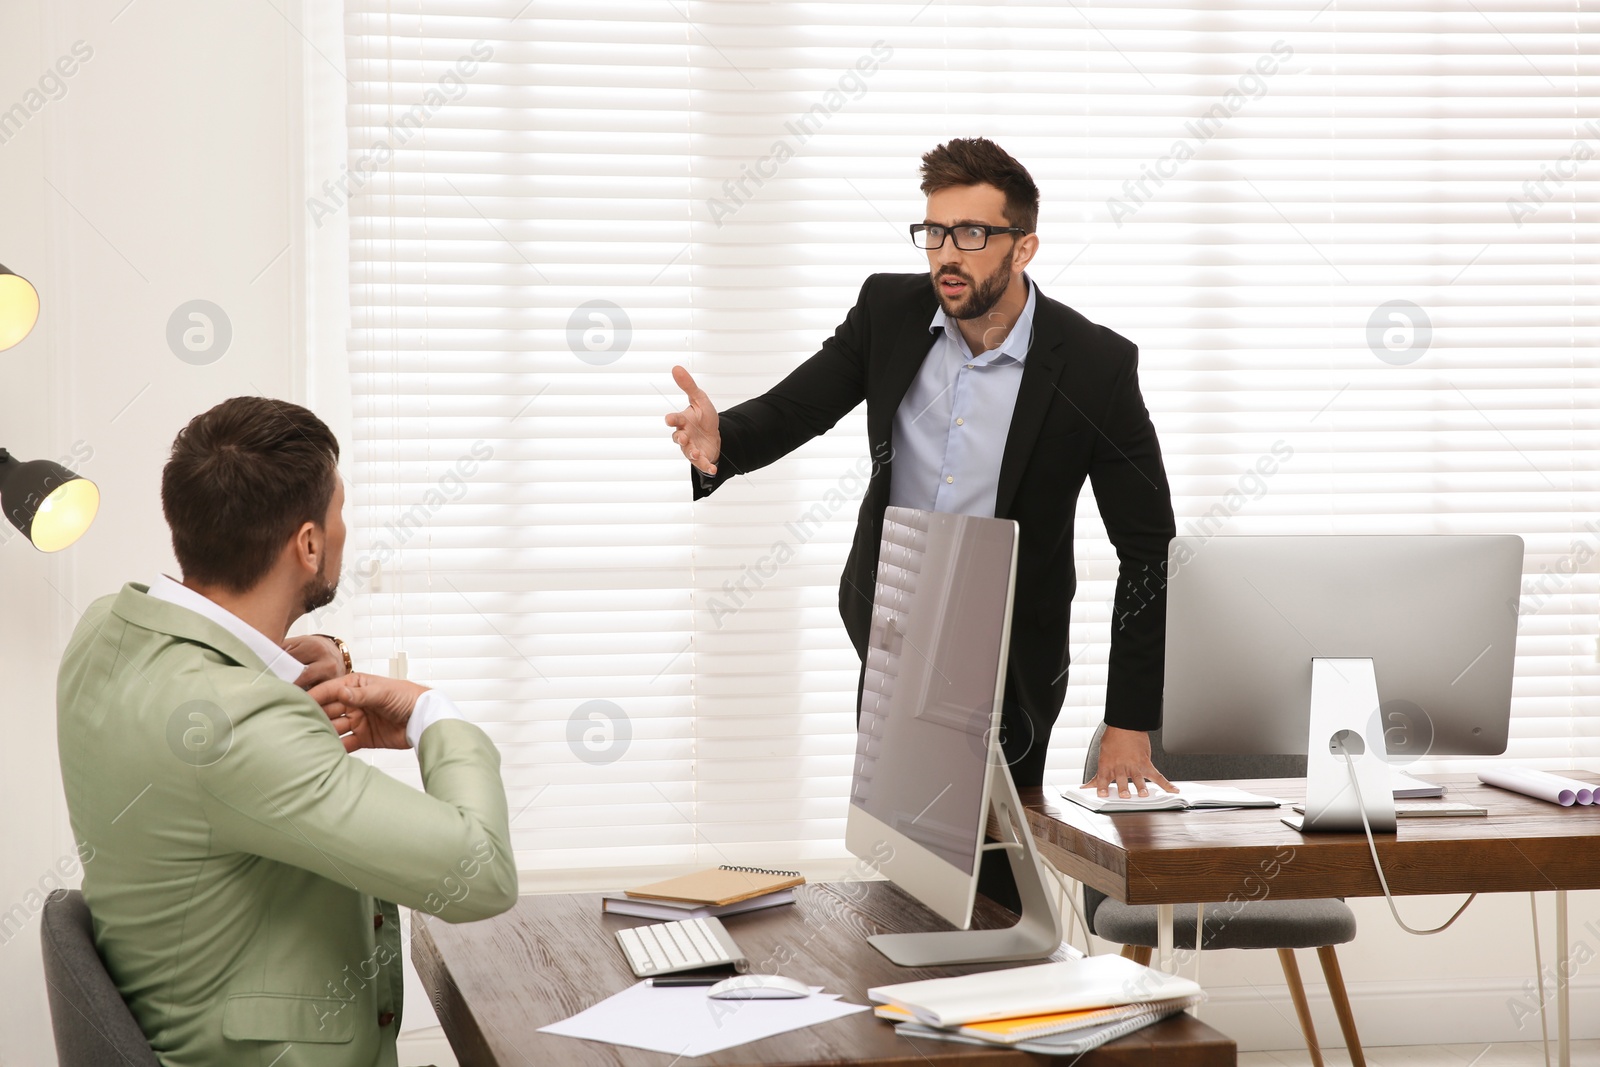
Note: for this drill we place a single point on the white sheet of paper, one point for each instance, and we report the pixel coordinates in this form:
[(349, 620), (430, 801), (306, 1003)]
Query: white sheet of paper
[(683, 1021)]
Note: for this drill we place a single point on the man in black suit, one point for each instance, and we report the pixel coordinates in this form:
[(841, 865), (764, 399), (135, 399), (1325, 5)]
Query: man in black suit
[(986, 397)]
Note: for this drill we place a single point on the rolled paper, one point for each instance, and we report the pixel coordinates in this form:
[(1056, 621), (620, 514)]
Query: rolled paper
[(1582, 792), (1539, 784)]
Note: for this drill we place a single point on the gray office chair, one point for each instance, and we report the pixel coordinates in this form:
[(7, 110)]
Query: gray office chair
[(1284, 925), (93, 1027)]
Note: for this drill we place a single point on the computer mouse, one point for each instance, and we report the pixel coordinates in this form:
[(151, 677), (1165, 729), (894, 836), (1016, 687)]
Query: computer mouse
[(758, 987)]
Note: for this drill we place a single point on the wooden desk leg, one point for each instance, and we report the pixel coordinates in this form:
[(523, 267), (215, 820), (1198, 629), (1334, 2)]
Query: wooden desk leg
[(1164, 938), (1563, 1009)]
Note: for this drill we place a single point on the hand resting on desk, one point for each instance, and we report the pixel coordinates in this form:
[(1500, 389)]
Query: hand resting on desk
[(1125, 762)]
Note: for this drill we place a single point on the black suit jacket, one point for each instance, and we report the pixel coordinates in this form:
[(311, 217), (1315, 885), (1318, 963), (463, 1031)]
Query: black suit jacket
[(1079, 415)]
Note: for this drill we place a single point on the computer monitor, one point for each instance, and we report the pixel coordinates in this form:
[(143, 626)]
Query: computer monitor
[(1433, 617), (929, 768)]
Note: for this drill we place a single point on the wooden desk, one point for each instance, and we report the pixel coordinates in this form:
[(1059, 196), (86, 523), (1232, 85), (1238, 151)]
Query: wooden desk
[(1167, 858), (495, 983), (1522, 845)]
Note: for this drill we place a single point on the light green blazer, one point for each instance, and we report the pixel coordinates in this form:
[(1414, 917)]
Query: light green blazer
[(242, 861)]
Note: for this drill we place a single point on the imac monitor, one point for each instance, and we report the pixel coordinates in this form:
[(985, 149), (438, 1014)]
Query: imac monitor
[(1407, 641), (928, 769)]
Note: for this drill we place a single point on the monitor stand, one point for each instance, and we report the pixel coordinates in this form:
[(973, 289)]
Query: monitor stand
[(1037, 933), (1344, 702)]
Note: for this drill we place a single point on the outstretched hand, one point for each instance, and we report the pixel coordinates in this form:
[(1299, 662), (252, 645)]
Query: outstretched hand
[(368, 710), (1125, 762), (695, 427)]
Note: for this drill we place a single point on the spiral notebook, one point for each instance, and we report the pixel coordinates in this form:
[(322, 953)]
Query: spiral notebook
[(1071, 1043), (719, 885)]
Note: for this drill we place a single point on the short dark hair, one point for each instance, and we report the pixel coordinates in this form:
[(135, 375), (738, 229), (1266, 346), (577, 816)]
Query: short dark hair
[(979, 161), (242, 478)]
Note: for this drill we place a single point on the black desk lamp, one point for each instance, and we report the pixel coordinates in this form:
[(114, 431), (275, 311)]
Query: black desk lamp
[(48, 503), (19, 307)]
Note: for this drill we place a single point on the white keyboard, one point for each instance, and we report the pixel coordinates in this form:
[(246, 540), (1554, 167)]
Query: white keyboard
[(680, 946)]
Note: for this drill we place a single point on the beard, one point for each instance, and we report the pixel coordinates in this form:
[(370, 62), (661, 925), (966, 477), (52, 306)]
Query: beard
[(318, 592), (980, 297)]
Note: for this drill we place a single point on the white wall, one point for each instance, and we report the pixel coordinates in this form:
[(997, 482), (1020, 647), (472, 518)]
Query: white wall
[(163, 174), (32, 833), (168, 171)]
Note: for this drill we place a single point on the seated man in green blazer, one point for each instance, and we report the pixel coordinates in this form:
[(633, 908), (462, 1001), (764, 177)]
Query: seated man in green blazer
[(244, 864)]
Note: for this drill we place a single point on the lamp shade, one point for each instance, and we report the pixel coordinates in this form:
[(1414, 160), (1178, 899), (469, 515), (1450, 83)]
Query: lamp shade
[(48, 503), (19, 307)]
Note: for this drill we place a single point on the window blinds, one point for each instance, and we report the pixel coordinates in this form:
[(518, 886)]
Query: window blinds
[(1354, 241)]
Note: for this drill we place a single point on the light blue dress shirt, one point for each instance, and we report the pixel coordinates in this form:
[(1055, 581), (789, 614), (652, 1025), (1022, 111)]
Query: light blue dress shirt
[(950, 430)]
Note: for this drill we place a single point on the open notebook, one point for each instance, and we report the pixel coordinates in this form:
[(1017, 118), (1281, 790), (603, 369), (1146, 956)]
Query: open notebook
[(1190, 795)]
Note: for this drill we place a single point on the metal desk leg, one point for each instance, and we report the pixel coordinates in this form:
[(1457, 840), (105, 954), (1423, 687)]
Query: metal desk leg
[(1164, 938), (1563, 1010)]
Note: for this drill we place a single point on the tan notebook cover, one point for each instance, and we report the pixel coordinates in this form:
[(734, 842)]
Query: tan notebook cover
[(719, 885)]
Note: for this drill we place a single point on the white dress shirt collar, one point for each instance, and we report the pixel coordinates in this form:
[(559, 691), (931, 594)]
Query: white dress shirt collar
[(277, 660)]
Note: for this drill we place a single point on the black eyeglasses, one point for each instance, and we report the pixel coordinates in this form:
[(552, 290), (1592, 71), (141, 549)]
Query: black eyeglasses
[(927, 235)]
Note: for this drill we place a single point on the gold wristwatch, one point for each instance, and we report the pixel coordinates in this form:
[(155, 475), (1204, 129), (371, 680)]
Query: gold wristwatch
[(344, 650)]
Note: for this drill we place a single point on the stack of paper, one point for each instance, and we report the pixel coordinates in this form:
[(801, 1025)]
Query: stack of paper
[(1052, 1008), (1063, 1033), (1407, 787)]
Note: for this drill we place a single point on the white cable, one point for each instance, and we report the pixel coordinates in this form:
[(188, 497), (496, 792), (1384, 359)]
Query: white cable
[(1072, 899), (1373, 845), (1061, 906)]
